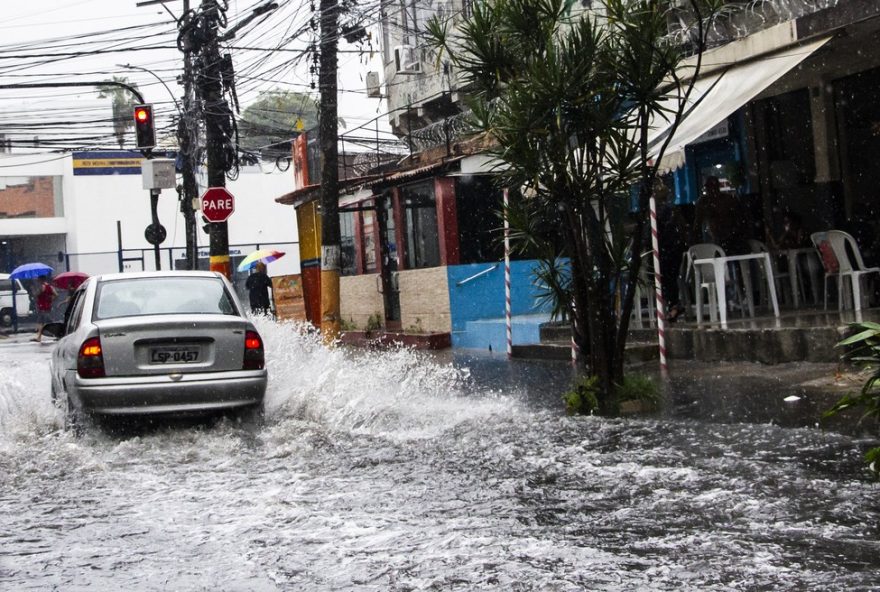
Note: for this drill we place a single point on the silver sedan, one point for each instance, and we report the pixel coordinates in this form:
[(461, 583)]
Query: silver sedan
[(173, 343)]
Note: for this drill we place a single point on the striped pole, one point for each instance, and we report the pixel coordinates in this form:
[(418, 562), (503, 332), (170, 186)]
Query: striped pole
[(658, 291), (507, 307)]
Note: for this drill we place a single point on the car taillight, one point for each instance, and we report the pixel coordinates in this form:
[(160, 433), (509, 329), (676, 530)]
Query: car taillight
[(254, 357), (90, 361)]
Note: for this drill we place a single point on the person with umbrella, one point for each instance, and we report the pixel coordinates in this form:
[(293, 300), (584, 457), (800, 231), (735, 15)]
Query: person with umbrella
[(258, 284), (46, 295)]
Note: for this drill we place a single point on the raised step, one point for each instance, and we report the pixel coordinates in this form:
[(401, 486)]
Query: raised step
[(635, 352), (767, 345)]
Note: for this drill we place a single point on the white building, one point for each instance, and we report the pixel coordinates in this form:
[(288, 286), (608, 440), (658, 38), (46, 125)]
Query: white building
[(87, 211)]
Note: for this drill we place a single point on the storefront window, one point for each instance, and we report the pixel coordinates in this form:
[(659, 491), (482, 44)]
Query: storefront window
[(346, 243), (420, 221), (369, 233)]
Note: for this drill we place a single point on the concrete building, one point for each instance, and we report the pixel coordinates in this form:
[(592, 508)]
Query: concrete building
[(787, 118), (87, 211)]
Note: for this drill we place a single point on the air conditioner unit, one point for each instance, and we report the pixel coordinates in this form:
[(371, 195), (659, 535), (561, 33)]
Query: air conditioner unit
[(405, 61), (374, 87)]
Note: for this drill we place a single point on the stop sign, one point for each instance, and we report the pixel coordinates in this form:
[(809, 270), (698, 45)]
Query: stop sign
[(217, 204)]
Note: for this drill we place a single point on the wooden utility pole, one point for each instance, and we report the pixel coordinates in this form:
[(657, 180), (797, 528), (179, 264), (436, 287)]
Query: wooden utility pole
[(187, 137), (217, 127), (328, 132)]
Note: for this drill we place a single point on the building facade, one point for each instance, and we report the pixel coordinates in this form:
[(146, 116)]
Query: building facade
[(87, 211), (785, 114)]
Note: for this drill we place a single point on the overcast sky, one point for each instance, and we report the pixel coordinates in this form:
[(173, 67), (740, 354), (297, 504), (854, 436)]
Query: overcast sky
[(38, 27)]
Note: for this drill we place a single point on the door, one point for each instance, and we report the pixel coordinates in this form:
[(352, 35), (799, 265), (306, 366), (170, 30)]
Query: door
[(389, 253)]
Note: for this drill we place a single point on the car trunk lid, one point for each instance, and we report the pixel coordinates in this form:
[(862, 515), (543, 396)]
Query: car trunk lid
[(158, 345)]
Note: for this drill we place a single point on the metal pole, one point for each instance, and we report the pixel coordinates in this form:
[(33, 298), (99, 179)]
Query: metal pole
[(508, 320), (154, 211), (14, 306), (658, 291), (119, 244)]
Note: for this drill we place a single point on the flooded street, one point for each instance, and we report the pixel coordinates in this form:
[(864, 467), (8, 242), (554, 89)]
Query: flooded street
[(390, 471)]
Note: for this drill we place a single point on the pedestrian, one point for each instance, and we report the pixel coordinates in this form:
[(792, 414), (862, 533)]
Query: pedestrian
[(45, 298), (258, 284), (672, 234)]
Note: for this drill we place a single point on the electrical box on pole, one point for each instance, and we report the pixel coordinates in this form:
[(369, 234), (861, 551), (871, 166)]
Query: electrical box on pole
[(144, 127), (159, 173)]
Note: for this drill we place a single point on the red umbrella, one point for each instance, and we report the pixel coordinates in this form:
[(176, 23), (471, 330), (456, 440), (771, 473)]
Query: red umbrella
[(70, 280)]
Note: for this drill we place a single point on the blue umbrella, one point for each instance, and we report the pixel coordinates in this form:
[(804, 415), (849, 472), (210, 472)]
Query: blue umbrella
[(30, 270)]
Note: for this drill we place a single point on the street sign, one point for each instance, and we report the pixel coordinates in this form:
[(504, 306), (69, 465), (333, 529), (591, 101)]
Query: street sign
[(217, 204), (155, 234)]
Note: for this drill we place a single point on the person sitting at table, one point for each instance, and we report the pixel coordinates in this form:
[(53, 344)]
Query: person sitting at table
[(793, 235), (717, 213)]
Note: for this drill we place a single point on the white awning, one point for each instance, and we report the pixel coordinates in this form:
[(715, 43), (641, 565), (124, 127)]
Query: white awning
[(716, 96)]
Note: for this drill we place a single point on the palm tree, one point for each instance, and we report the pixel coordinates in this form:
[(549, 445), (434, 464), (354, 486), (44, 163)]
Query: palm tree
[(567, 98), (123, 103)]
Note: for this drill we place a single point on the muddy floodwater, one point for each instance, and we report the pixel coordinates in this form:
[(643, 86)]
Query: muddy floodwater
[(400, 471)]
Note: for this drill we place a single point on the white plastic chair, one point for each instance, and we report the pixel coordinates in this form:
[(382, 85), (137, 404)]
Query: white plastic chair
[(645, 291), (834, 255), (707, 277)]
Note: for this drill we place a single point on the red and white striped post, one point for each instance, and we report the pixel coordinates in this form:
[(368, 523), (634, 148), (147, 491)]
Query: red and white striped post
[(658, 291), (507, 307)]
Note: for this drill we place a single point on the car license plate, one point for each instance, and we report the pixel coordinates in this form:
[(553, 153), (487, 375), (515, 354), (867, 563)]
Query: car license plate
[(174, 355)]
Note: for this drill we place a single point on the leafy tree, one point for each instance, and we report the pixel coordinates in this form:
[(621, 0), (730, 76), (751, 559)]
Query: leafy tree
[(123, 103), (269, 123), (568, 99)]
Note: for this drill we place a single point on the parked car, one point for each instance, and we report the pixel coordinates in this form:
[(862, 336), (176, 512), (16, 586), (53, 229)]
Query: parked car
[(22, 300), (156, 343)]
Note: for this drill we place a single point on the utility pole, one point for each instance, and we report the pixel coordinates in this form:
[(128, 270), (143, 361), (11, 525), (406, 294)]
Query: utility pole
[(187, 137), (328, 132), (217, 126)]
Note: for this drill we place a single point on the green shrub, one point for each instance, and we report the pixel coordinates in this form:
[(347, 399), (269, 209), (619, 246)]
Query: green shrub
[(581, 399), (638, 387), (864, 350), (374, 323)]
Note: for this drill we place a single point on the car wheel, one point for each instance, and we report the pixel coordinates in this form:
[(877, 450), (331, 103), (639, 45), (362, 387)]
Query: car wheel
[(6, 317), (252, 415), (74, 420)]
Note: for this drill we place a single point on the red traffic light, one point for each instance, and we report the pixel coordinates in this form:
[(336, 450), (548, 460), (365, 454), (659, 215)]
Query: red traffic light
[(144, 131)]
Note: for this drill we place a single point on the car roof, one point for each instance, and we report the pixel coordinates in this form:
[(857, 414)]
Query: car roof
[(109, 277)]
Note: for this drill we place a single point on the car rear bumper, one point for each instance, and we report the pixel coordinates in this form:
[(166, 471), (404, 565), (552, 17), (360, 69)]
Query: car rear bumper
[(170, 394)]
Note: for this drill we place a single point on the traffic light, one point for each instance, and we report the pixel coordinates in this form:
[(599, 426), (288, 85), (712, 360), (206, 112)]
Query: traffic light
[(144, 128)]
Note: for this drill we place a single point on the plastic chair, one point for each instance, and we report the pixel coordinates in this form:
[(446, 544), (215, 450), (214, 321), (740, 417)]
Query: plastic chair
[(834, 248), (707, 273), (645, 291), (782, 287)]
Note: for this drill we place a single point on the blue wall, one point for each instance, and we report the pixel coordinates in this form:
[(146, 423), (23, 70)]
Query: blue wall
[(483, 298)]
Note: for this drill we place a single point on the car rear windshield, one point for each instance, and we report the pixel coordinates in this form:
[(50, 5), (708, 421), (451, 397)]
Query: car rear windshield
[(168, 295)]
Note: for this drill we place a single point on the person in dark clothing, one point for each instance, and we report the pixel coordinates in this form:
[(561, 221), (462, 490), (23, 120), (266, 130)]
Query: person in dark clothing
[(258, 284), (672, 235), (719, 214)]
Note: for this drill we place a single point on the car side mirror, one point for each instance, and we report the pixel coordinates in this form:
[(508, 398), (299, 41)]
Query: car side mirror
[(56, 330)]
